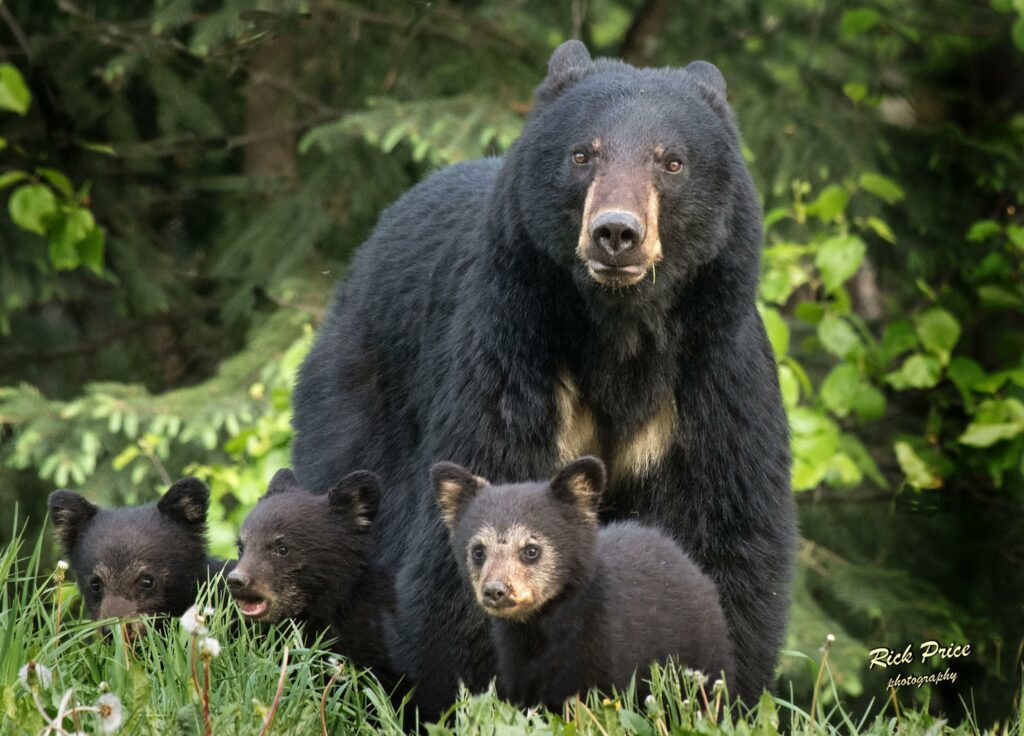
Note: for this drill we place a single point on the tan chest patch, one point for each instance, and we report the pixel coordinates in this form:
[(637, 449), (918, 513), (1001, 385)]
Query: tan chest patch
[(637, 455)]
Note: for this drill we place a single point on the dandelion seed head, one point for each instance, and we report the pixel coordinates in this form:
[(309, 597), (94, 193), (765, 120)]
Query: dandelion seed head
[(718, 686), (194, 622), (830, 638), (63, 565), (208, 647), (111, 712), (33, 673)]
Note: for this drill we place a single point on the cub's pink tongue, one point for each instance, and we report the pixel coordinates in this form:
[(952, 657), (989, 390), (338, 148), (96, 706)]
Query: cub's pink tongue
[(253, 608)]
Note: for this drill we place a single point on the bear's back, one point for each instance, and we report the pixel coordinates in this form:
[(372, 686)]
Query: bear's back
[(658, 604)]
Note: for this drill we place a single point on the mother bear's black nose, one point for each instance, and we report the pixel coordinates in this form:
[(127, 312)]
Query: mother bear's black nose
[(616, 231)]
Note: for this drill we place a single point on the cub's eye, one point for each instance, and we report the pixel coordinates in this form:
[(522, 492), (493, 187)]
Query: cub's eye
[(478, 553), (673, 166), (95, 584), (580, 157), (282, 551), (531, 553), (147, 582), (241, 548)]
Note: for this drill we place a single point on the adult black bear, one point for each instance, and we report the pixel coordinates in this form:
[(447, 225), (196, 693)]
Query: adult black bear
[(591, 292), (575, 605)]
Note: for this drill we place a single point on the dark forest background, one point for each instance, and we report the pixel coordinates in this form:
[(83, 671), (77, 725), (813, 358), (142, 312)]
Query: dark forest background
[(185, 181)]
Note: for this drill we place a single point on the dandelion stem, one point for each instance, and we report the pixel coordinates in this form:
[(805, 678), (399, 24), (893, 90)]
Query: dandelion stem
[(323, 702), (195, 672), (277, 695), (822, 666), (207, 726)]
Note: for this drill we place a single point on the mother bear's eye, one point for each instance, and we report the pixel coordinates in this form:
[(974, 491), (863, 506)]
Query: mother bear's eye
[(580, 157), (673, 166)]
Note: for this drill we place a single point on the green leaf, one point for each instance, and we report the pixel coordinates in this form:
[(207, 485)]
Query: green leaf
[(983, 230), (918, 473), (868, 402), (858, 21), (1015, 233), (986, 435), (843, 472), (60, 182), (917, 371), (838, 389), (830, 203), (14, 94), (965, 375), (838, 337), (994, 296), (838, 259), (31, 205), (855, 91), (11, 177), (65, 237), (939, 332), (634, 723), (778, 331), (1017, 33), (91, 249), (898, 338), (853, 447), (881, 229), (789, 384), (882, 187)]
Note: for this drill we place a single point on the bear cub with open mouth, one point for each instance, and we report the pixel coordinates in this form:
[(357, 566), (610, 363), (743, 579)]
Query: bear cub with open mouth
[(574, 605), (306, 557)]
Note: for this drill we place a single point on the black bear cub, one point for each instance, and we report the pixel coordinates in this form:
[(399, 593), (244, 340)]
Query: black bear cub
[(305, 557), (572, 605), (147, 559)]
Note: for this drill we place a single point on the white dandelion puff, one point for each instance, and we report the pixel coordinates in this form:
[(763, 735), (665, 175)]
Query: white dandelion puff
[(32, 673), (194, 622), (63, 566), (111, 712), (208, 648)]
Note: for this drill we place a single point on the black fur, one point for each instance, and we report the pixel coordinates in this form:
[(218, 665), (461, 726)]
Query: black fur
[(146, 559), (468, 302), (323, 578), (627, 596)]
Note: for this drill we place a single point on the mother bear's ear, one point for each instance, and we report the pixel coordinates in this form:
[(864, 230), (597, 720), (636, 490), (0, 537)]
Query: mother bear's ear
[(569, 63), (454, 488), (710, 83)]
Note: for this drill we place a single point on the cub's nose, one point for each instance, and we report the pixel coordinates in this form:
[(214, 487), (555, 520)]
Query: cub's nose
[(616, 231), (238, 580), (495, 593)]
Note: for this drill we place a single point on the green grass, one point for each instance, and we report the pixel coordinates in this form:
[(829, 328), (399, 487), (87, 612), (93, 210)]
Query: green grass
[(153, 679)]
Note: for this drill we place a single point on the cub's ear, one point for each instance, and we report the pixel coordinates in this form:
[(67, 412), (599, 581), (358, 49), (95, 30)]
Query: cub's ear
[(581, 484), (70, 514), (358, 493), (186, 501), (284, 481), (454, 488), (569, 63), (711, 83)]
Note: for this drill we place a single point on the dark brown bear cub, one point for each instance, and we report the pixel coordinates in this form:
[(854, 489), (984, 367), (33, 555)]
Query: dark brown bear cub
[(147, 559), (304, 556), (572, 605)]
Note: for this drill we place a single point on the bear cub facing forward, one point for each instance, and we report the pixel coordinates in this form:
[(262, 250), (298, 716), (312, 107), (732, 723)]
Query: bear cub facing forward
[(305, 557), (572, 605), (147, 559)]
